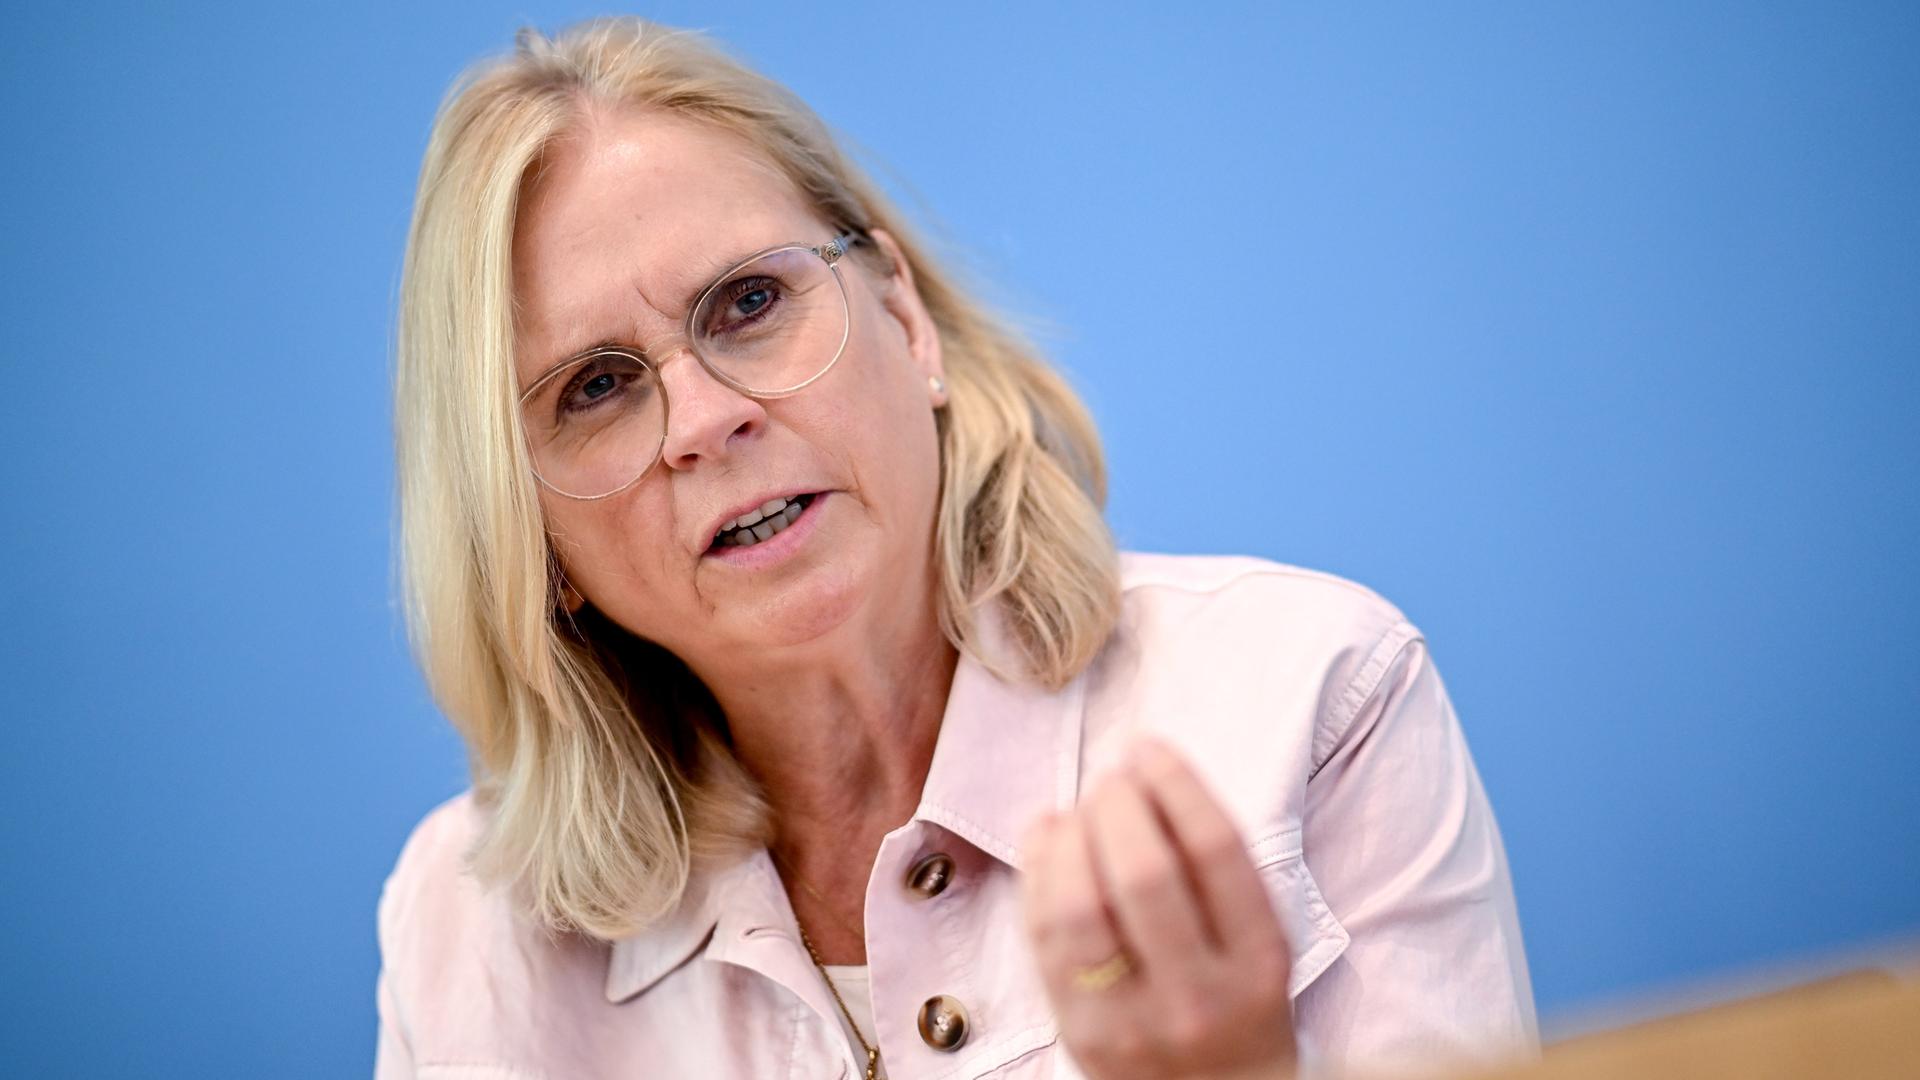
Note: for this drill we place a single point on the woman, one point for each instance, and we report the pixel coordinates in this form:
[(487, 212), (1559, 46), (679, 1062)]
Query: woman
[(816, 728)]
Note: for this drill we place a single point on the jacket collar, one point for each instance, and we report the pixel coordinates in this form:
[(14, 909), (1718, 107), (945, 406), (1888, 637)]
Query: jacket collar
[(1006, 752)]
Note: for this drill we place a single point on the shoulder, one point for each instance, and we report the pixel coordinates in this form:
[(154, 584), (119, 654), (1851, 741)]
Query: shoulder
[(1253, 601), (1279, 659), (435, 915), (449, 943), (431, 869)]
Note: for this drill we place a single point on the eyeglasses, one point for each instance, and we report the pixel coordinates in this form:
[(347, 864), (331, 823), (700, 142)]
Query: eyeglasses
[(770, 326)]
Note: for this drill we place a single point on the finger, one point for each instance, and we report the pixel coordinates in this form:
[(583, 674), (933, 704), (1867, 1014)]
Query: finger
[(1155, 905), (1034, 838), (1037, 880), (1067, 918), (1238, 910), (1036, 854)]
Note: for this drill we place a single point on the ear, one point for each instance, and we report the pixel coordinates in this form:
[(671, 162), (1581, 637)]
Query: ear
[(571, 598), (901, 298)]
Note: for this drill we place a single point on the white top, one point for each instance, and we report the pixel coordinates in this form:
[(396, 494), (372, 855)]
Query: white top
[(851, 981)]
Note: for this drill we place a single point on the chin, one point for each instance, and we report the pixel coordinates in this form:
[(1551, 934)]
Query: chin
[(809, 609)]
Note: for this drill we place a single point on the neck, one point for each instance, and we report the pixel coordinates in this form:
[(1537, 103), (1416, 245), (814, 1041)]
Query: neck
[(840, 734), (841, 737)]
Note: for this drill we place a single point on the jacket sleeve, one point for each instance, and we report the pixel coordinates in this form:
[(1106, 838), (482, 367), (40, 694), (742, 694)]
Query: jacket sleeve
[(1403, 844), (392, 1059)]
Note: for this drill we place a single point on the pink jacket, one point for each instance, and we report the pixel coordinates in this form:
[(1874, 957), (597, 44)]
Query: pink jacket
[(1309, 704)]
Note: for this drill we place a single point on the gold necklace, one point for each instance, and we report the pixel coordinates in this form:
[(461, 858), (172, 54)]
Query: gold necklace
[(873, 1055)]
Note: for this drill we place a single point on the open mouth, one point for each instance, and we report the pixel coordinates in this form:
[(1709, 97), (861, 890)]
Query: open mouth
[(759, 526)]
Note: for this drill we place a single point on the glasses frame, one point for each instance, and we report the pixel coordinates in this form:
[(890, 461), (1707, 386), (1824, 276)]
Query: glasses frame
[(830, 252)]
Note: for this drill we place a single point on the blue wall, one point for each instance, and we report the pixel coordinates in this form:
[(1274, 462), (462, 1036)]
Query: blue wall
[(1589, 337)]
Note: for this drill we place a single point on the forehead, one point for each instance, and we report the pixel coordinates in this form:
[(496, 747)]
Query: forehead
[(624, 220)]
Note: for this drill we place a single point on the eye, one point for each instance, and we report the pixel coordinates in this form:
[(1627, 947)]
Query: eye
[(601, 382), (745, 301), (589, 389), (598, 386), (752, 301)]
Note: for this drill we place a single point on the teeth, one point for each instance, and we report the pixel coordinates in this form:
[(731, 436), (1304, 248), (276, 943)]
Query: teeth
[(754, 517), (761, 524)]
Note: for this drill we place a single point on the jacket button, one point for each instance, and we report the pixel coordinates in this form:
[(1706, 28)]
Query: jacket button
[(943, 1023), (931, 875)]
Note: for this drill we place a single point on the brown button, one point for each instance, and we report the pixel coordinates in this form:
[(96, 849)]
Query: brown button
[(931, 875), (943, 1023)]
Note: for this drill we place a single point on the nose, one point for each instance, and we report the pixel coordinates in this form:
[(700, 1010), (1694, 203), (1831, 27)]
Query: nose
[(704, 415)]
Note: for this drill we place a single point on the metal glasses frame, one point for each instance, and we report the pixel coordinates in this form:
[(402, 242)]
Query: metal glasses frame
[(830, 252)]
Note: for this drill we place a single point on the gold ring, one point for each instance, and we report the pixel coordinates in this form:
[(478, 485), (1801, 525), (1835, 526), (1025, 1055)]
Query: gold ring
[(1103, 975)]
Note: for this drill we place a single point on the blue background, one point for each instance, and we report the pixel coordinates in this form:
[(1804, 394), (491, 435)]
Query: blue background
[(1588, 337)]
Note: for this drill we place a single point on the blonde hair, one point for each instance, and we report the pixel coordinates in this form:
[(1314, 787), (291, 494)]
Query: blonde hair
[(604, 764)]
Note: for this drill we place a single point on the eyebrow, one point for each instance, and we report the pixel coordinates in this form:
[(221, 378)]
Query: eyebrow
[(709, 270), (542, 375)]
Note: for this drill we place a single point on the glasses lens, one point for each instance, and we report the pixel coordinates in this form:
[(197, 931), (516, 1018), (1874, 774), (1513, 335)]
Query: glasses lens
[(775, 324), (596, 424)]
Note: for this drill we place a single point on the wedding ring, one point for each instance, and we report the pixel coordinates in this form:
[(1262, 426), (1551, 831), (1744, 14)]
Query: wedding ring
[(1103, 975)]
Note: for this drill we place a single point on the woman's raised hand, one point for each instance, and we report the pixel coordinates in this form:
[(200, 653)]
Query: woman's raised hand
[(1155, 937)]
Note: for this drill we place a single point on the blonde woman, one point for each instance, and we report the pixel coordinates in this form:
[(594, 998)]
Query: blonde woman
[(816, 728)]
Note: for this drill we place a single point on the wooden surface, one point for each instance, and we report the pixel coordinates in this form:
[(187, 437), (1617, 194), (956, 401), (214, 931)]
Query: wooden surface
[(1862, 1025)]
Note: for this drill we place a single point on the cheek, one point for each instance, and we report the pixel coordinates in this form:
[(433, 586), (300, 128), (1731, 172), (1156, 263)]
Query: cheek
[(608, 547), (880, 422), (890, 404), (897, 458)]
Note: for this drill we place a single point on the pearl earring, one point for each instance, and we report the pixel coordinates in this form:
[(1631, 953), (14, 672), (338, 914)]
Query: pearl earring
[(934, 382)]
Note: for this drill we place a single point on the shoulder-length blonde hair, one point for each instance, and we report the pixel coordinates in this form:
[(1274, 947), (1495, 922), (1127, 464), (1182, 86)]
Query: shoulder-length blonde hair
[(604, 764)]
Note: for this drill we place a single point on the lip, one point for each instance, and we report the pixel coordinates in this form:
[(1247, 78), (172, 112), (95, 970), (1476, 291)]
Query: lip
[(713, 527), (768, 552)]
